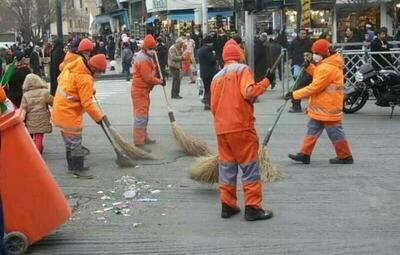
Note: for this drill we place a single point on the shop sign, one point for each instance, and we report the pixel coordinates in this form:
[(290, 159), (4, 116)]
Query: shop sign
[(305, 13), (156, 5)]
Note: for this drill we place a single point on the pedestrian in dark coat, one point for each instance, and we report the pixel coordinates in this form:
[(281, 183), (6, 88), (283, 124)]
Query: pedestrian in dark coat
[(162, 54), (57, 57), (101, 49), (380, 44), (14, 88), (35, 62), (262, 57), (111, 48), (208, 68)]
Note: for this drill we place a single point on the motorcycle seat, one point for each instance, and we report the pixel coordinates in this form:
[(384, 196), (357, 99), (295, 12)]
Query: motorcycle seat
[(383, 72)]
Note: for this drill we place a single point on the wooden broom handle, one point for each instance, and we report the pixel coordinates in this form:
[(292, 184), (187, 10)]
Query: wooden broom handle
[(162, 78)]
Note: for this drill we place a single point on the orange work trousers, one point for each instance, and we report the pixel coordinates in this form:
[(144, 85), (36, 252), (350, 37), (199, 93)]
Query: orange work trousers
[(141, 105), (239, 149), (335, 133)]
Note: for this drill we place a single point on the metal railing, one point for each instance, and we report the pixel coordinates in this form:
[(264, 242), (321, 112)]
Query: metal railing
[(353, 60)]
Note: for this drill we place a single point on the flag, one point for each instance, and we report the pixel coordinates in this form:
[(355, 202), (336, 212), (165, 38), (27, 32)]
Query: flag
[(7, 75)]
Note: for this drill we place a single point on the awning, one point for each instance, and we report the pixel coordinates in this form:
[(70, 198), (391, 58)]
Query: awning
[(181, 15), (213, 13), (150, 19)]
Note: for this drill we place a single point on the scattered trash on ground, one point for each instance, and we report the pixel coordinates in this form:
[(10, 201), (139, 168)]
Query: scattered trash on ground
[(122, 198)]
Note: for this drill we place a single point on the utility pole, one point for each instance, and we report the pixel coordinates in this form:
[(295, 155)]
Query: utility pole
[(249, 37), (298, 16), (59, 20), (205, 18)]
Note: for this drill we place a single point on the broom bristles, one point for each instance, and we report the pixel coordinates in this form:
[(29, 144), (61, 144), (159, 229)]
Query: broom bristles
[(130, 150), (268, 171), (191, 145), (205, 169)]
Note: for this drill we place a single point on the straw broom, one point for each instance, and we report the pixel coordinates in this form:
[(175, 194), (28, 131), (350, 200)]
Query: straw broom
[(129, 149), (189, 144), (205, 169)]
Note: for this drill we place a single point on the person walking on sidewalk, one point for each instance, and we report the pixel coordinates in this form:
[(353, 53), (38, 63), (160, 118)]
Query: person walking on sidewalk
[(233, 91), (35, 102), (74, 97), (14, 87), (162, 53), (174, 63), (299, 47), (57, 57), (208, 68), (325, 107), (144, 79), (127, 60)]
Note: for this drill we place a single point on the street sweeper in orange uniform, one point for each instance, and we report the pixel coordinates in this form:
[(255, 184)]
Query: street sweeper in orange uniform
[(144, 79), (233, 91)]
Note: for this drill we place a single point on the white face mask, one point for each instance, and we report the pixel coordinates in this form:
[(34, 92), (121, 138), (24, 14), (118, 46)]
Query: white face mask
[(317, 58)]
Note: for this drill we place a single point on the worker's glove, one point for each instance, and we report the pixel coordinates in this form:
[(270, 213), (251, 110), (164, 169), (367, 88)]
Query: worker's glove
[(163, 83), (270, 75), (289, 96), (104, 120)]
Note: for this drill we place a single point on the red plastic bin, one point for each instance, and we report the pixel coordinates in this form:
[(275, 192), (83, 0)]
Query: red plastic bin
[(33, 204)]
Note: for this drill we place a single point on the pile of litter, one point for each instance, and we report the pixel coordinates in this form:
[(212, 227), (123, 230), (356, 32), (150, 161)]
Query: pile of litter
[(120, 200)]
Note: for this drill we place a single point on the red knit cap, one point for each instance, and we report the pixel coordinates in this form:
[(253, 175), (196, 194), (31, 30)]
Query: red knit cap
[(231, 41), (85, 45), (231, 52), (149, 42), (99, 62), (321, 47)]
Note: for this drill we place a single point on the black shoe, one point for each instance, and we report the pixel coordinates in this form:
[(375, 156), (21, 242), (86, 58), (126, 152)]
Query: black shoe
[(228, 212), (142, 147), (69, 160), (253, 214), (149, 141), (176, 97), (294, 110), (346, 161), (300, 157), (78, 170), (207, 107)]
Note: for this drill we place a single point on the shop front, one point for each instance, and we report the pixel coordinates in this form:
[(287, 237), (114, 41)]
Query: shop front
[(320, 23)]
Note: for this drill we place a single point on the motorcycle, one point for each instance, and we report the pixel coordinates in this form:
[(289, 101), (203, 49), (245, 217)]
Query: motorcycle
[(383, 84)]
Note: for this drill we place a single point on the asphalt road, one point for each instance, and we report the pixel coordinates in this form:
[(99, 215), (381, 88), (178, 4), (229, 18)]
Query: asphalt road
[(319, 208)]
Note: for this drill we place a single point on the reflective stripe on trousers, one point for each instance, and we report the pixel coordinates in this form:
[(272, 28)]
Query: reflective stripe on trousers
[(236, 150), (335, 133), (73, 143)]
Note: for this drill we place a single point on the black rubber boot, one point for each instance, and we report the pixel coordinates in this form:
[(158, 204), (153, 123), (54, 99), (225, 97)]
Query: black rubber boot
[(149, 141), (69, 160), (78, 170), (300, 157), (346, 161), (253, 214), (228, 212)]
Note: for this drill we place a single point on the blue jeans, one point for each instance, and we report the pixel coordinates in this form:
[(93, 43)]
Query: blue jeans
[(296, 70)]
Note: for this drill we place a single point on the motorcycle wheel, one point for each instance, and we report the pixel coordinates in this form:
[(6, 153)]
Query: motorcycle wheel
[(355, 101)]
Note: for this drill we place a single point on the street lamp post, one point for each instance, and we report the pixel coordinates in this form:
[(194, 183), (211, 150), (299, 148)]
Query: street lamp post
[(59, 20)]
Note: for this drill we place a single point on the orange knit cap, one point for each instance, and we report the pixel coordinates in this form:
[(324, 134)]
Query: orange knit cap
[(321, 47), (149, 42), (85, 45), (231, 52), (231, 41), (99, 62)]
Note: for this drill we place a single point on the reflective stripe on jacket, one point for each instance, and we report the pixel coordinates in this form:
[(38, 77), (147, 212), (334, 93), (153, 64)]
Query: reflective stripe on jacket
[(233, 91), (326, 90), (144, 74), (74, 96)]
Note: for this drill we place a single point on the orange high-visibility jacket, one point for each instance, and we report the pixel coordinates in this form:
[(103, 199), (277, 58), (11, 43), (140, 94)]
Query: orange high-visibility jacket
[(3, 96), (326, 90), (69, 57), (144, 74), (233, 91), (74, 96)]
